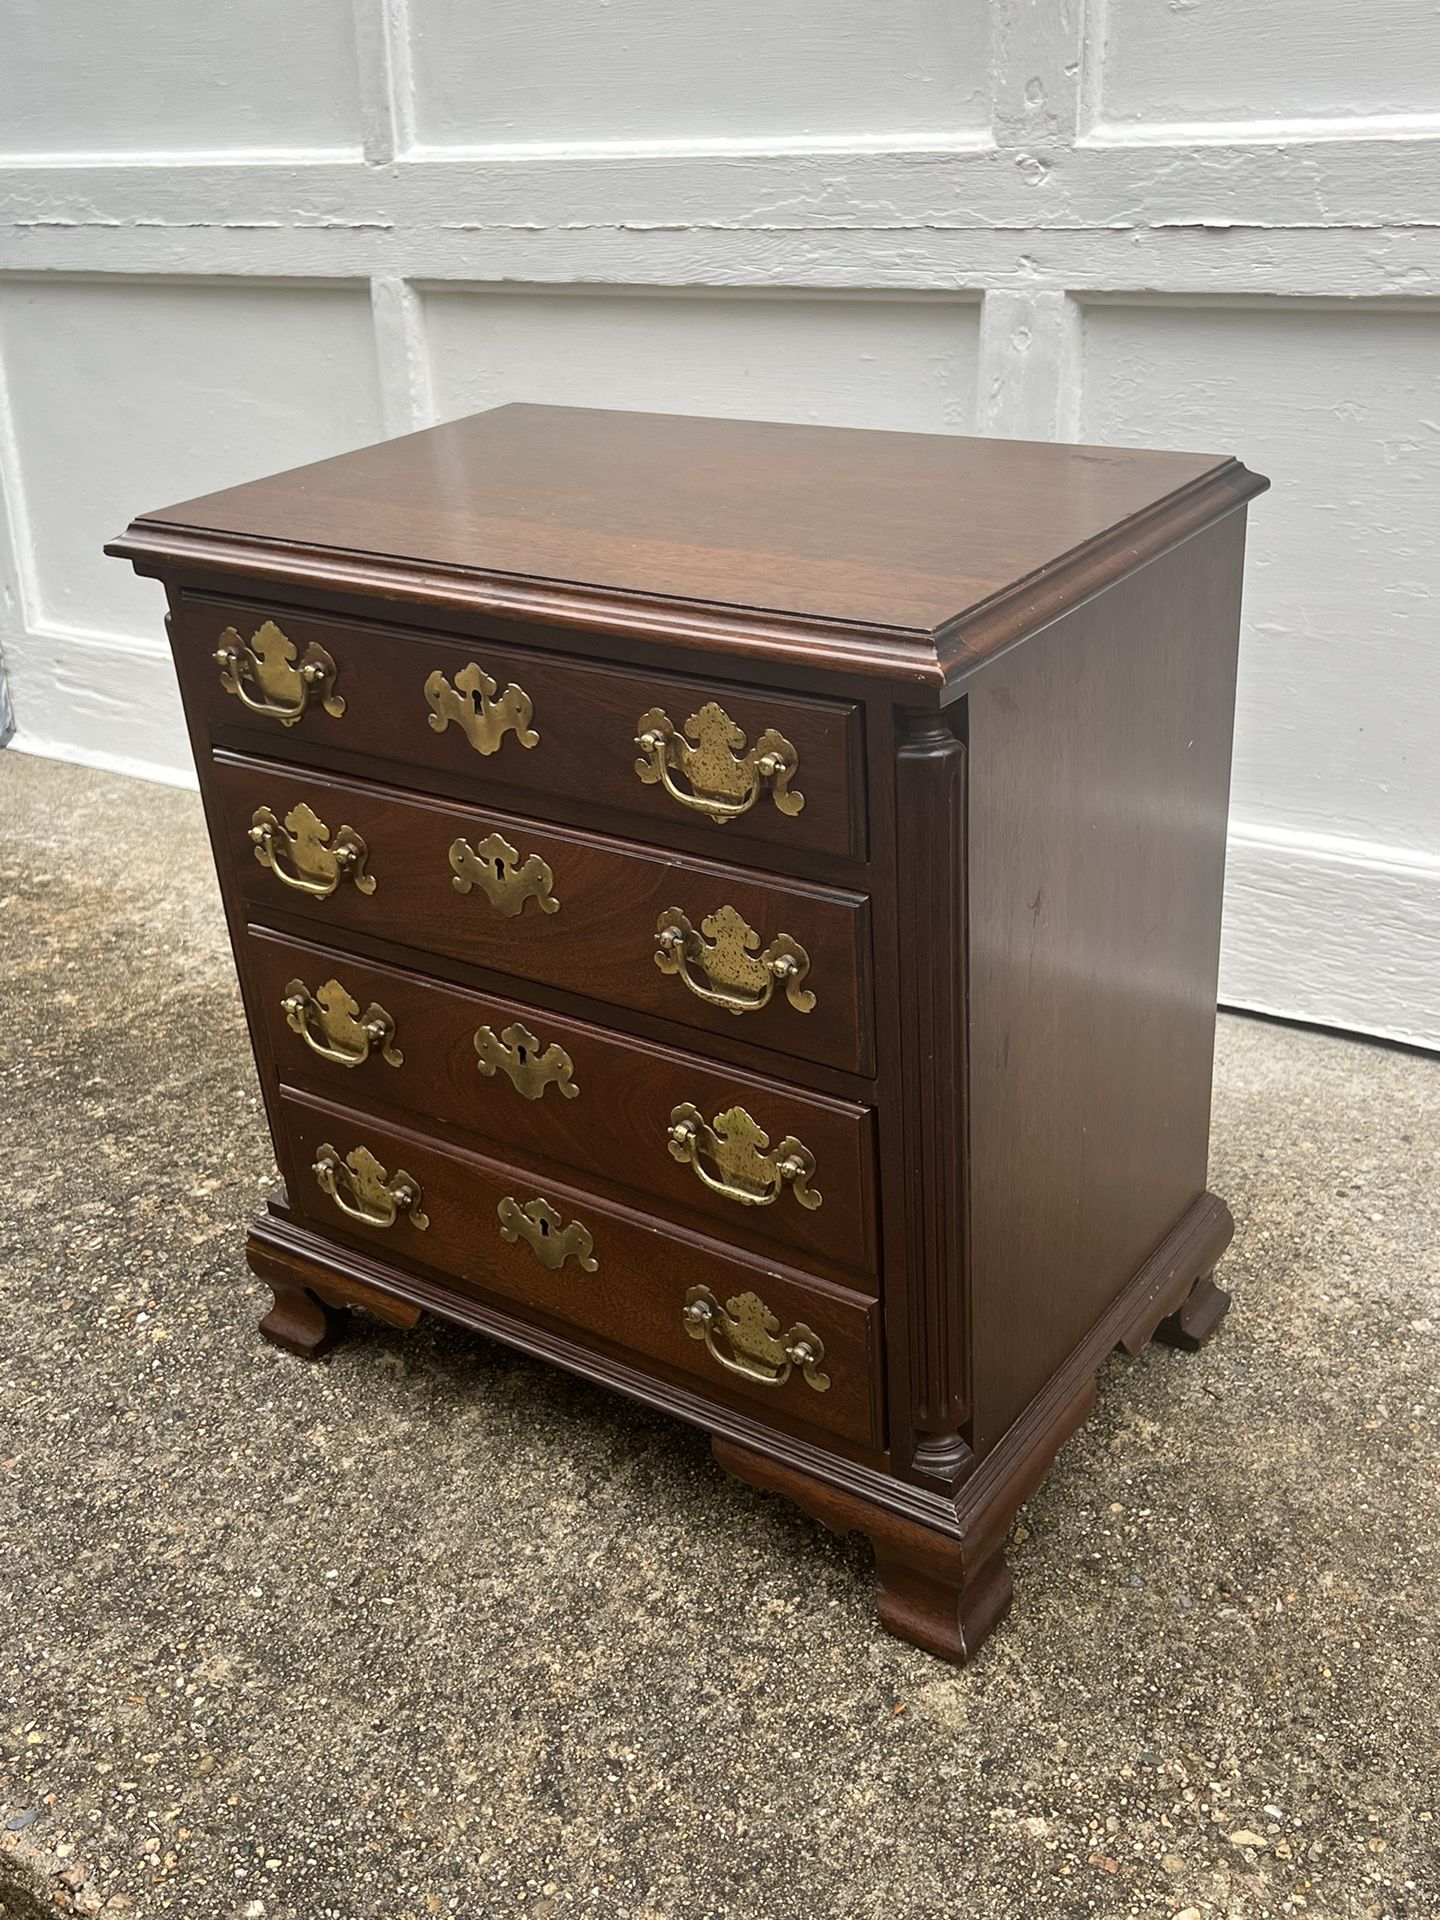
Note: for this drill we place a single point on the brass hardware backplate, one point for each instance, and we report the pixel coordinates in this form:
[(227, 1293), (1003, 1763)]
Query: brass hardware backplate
[(268, 662), (472, 704), (737, 1148), (507, 882), (359, 1186), (528, 1066), (540, 1227), (302, 854), (752, 1342), (723, 779), (332, 1025), (740, 976)]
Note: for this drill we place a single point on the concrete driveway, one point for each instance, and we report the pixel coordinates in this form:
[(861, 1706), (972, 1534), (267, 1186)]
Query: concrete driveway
[(427, 1629)]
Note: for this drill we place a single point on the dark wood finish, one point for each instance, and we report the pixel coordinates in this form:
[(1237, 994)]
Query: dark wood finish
[(600, 943), (906, 556), (942, 1579), (1183, 1306), (1196, 1318), (587, 718), (930, 1590), (1007, 876), (301, 1322), (1099, 777), (634, 1298), (938, 1557), (614, 1129), (930, 791)]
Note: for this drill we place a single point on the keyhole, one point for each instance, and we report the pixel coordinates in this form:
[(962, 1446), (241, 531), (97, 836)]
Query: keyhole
[(499, 868), (521, 1055), (544, 1229)]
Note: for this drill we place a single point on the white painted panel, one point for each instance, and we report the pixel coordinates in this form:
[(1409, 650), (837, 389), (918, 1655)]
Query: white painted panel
[(1340, 667), (771, 170), (836, 361), (1333, 930), (171, 76), (127, 396), (631, 71), (102, 703), (1193, 61)]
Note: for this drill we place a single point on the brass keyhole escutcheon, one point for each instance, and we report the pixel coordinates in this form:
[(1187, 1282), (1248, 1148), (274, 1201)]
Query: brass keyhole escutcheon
[(529, 1067), (544, 1232), (482, 713), (506, 880)]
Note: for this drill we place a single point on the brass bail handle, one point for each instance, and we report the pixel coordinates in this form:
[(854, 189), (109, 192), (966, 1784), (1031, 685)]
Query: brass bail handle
[(723, 778), (737, 1148), (739, 975), (363, 1191), (744, 1337), (303, 856), (332, 1026), (283, 680)]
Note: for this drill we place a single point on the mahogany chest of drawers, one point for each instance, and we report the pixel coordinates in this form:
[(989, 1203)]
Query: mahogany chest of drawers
[(734, 910)]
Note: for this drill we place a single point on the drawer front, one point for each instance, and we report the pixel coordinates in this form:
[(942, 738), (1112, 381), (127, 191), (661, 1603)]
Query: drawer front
[(737, 1150), (745, 764), (705, 945), (745, 1331)]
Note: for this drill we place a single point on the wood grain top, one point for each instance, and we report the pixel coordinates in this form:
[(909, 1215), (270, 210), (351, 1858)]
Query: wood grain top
[(907, 555)]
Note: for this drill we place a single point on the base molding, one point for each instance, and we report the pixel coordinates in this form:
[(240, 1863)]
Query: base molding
[(311, 1298), (1162, 1292), (286, 1252), (941, 1587), (301, 1322), (943, 1583), (932, 1589), (940, 1570)]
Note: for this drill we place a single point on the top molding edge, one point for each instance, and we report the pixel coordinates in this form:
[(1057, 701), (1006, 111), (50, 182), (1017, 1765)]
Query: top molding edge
[(929, 663)]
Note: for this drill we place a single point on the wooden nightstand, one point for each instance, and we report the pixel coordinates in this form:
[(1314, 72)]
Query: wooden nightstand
[(734, 910)]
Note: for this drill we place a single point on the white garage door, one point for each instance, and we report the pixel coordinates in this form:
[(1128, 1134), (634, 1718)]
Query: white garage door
[(240, 237)]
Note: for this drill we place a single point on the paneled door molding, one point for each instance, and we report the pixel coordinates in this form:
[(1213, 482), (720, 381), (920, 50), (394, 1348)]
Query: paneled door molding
[(1201, 227)]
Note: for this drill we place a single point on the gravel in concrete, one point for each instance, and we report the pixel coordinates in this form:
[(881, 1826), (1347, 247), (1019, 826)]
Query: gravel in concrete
[(428, 1629)]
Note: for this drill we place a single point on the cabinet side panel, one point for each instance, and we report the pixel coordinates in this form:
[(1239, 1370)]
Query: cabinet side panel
[(1100, 770)]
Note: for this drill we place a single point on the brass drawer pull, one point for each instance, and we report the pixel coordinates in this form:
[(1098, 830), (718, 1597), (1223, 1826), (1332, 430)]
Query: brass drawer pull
[(738, 976), (472, 705), (359, 1187), (723, 779), (268, 662), (539, 1226), (495, 867), (736, 1145), (749, 1330), (517, 1054), (332, 1025), (303, 856)]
